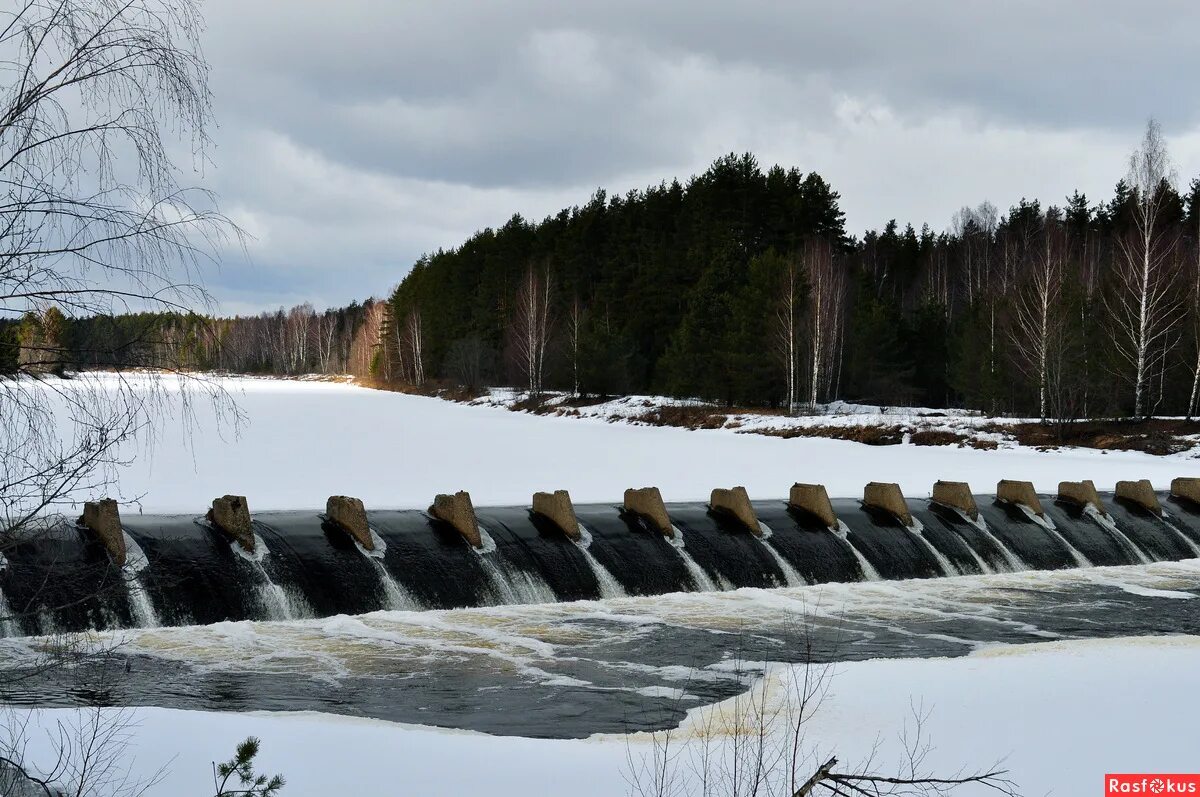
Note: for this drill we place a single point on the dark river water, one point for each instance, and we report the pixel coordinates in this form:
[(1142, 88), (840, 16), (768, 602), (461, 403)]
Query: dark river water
[(572, 669)]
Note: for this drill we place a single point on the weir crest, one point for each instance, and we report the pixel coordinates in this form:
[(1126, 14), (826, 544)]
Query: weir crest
[(183, 570)]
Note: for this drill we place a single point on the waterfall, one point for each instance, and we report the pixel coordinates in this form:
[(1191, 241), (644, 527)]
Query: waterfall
[(842, 532), (700, 578), (510, 585), (1105, 522), (277, 603), (980, 562), (791, 576), (609, 586), (918, 531), (395, 597), (1048, 525), (139, 599), (1015, 562), (1186, 539)]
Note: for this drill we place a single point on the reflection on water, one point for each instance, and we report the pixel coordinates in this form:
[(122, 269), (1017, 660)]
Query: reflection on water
[(573, 669)]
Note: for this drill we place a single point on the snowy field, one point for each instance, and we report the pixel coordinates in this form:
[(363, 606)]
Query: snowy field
[(303, 441), (1060, 715)]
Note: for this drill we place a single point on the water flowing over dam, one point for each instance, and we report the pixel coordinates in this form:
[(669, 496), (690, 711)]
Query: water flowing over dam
[(189, 570)]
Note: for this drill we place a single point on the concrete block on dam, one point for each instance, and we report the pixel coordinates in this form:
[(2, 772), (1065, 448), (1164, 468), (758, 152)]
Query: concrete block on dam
[(1186, 487), (956, 495), (813, 499), (1016, 492), (1081, 493), (459, 512), (735, 502), (647, 502), (888, 497), (231, 514), (103, 518), (350, 516), (557, 507), (1140, 492)]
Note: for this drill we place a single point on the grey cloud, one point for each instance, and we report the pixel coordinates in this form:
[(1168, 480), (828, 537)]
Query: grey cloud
[(365, 133)]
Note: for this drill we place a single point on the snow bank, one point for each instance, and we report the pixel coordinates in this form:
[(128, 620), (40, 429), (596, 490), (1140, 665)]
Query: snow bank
[(1061, 714), (305, 441)]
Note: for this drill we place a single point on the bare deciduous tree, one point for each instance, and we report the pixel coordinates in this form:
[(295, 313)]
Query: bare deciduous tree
[(825, 317), (574, 334), (1193, 294), (530, 330), (1145, 301), (1037, 319), (414, 348), (92, 218), (786, 328)]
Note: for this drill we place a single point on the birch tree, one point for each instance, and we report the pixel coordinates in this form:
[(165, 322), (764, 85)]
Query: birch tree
[(1193, 289), (1037, 318), (786, 326), (530, 330), (574, 335), (414, 348), (1145, 304), (825, 317)]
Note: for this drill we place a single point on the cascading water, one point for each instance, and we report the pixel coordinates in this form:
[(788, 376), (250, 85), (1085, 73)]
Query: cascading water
[(277, 603), (56, 579), (139, 599), (1015, 563), (609, 586), (1188, 541), (1048, 525), (1105, 522), (510, 585), (918, 532), (791, 576), (396, 597), (700, 578), (980, 562), (842, 532)]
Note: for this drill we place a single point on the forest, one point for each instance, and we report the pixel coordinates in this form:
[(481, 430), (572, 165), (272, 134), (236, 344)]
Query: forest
[(742, 286)]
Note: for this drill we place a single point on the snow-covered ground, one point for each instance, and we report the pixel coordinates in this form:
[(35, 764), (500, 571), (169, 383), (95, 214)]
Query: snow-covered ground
[(303, 441), (1059, 715)]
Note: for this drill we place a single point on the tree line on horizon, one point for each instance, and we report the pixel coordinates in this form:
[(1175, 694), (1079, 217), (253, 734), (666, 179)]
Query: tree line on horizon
[(743, 287)]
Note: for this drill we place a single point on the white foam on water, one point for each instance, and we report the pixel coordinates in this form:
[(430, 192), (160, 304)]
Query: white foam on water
[(1048, 524), (1105, 522), (699, 576), (1015, 562), (396, 597), (842, 532), (140, 605), (791, 576), (609, 586), (918, 531)]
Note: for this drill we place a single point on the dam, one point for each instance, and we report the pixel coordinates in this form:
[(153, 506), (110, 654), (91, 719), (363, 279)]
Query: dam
[(110, 570)]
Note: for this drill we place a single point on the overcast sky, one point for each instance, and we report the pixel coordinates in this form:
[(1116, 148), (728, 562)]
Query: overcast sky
[(350, 142)]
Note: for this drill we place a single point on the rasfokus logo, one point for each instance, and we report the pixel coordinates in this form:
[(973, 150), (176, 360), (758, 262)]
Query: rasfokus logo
[(1151, 784)]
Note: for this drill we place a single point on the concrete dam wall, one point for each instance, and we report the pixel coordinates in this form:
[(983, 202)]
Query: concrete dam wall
[(112, 570)]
